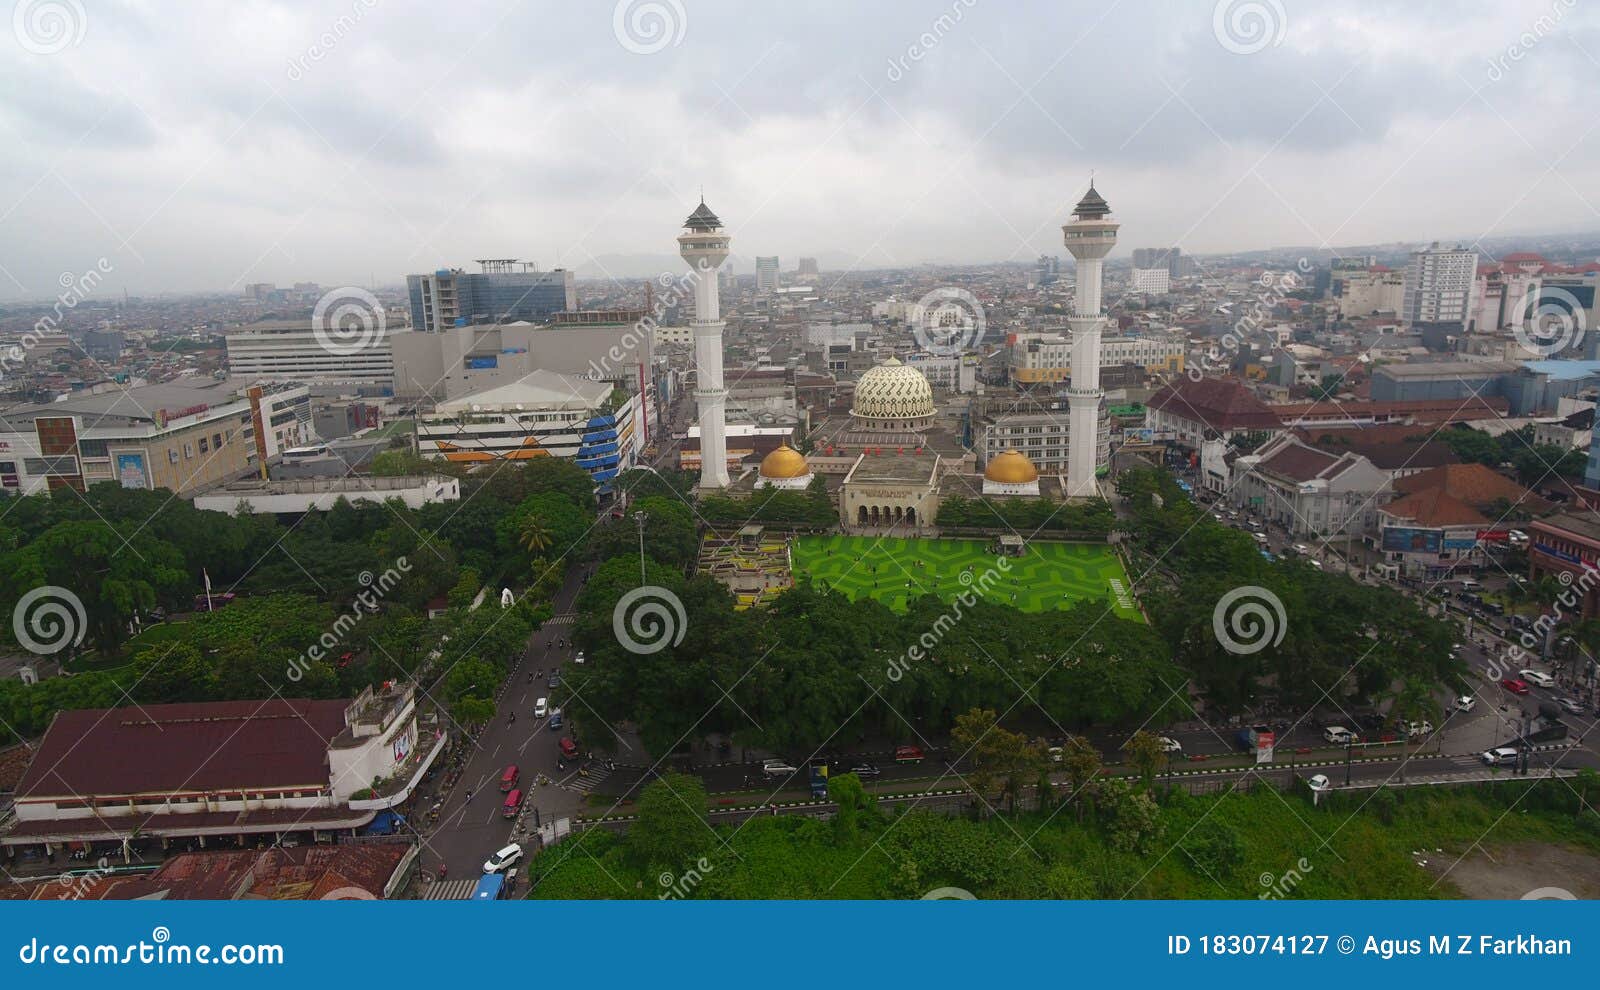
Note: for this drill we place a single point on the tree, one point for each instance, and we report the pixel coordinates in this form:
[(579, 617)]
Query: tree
[(534, 536), (1082, 762), (1146, 754), (846, 791), (671, 828)]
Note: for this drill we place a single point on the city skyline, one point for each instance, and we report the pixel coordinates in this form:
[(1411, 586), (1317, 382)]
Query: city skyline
[(936, 131)]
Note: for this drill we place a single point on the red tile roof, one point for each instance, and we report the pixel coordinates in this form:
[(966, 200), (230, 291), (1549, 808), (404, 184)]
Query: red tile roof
[(346, 872), (1390, 447), (1435, 508), (211, 746), (1218, 403), (1475, 484), (1299, 462)]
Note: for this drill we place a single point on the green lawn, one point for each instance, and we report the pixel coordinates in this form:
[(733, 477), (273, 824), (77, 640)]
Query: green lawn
[(1050, 576)]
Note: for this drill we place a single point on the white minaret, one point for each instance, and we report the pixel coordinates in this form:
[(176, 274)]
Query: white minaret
[(1090, 236), (704, 245)]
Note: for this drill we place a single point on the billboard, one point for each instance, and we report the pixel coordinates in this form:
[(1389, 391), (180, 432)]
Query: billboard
[(1403, 539), (1459, 542), (131, 471)]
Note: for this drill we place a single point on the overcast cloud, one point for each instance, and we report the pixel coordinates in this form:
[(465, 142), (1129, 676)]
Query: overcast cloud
[(203, 146)]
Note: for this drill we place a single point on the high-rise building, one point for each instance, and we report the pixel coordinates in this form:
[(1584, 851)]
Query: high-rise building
[(1438, 285), (501, 293), (704, 245), (1172, 260), (767, 274), (1048, 269), (1089, 235), (1152, 281), (295, 351), (808, 266)]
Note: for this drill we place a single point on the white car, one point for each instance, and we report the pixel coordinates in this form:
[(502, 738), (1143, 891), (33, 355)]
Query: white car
[(1502, 755), (1319, 783), (1170, 745), (1054, 752), (1414, 729), (777, 768), (541, 708), (1466, 703), (1538, 677), (502, 859), (579, 658), (1338, 735)]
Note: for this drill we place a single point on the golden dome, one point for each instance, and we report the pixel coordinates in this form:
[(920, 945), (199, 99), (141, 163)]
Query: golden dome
[(785, 462), (1011, 468)]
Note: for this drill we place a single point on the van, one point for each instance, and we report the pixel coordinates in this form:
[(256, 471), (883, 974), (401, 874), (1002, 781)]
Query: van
[(508, 780), (1261, 538), (569, 749), (513, 804)]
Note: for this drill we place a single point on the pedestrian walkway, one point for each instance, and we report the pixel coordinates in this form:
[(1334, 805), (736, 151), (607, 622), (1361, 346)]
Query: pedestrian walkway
[(562, 620), (448, 890), (588, 778)]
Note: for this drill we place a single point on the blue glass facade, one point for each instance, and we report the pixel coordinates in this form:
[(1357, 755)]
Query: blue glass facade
[(453, 298), (599, 453)]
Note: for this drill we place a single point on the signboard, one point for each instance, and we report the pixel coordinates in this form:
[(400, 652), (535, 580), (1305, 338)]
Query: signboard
[(131, 472), (1459, 542), (1264, 743), (1401, 539), (1570, 558), (477, 363), (1494, 535)]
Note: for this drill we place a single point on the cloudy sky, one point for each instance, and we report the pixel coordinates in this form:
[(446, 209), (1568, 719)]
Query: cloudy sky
[(203, 146)]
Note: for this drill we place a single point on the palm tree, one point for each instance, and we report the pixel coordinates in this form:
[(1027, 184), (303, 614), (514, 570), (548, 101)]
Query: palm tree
[(534, 536)]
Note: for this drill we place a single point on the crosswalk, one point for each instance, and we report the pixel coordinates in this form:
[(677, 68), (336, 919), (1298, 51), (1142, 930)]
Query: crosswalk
[(588, 779), (562, 620), (448, 890)]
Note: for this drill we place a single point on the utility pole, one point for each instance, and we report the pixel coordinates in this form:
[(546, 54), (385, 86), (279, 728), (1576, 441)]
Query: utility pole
[(640, 517), (1349, 753)]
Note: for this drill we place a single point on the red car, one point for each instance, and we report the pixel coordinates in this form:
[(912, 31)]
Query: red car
[(907, 754), (569, 749), (1514, 685)]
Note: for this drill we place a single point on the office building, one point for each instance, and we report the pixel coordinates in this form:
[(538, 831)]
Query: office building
[(500, 293), (1047, 357), (1438, 286), (292, 351), (767, 274), (1151, 281), (807, 266), (1363, 292)]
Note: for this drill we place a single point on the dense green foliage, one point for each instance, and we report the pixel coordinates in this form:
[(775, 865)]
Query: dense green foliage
[(1091, 517), (1256, 845)]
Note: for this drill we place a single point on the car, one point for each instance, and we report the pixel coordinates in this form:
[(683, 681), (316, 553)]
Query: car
[(1538, 677), (502, 859), (1499, 756), (579, 658), (554, 682), (1315, 564), (1571, 705), (1319, 782), (1514, 685), (1465, 703), (777, 768), (1338, 735), (908, 754), (541, 708), (865, 770), (1414, 729), (1055, 753), (1302, 549), (569, 749), (1170, 745)]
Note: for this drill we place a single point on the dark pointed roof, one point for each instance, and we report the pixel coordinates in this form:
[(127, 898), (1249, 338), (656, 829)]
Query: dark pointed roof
[(702, 218), (1092, 206)]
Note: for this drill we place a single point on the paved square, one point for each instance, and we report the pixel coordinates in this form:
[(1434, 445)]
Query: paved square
[(1048, 576)]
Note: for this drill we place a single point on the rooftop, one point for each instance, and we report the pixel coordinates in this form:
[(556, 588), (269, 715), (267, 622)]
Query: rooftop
[(1474, 484), (540, 389)]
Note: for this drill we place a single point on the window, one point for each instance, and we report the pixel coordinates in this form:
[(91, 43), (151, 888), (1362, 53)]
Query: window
[(216, 440), (172, 455), (204, 446), (188, 450)]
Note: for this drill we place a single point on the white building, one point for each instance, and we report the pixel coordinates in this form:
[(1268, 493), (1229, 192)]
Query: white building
[(1047, 357), (294, 352), (767, 274), (1089, 235), (1310, 491), (952, 373), (1438, 285), (1151, 281), (1372, 290), (298, 495)]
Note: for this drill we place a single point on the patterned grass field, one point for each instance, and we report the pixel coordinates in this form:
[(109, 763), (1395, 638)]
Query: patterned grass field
[(1051, 575)]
